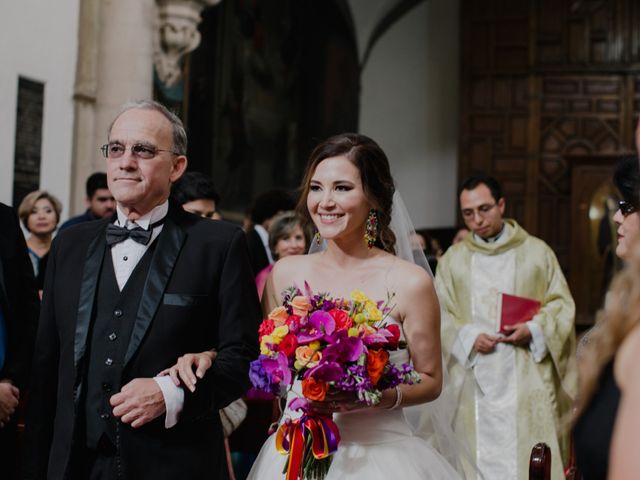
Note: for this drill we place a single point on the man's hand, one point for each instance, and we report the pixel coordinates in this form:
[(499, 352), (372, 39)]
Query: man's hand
[(139, 402), (518, 335), (9, 398), (485, 343)]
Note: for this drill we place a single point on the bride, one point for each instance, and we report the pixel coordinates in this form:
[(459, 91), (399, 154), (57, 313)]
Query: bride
[(347, 193)]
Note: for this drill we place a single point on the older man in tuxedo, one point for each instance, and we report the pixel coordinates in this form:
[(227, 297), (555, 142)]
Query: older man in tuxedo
[(18, 320), (124, 298)]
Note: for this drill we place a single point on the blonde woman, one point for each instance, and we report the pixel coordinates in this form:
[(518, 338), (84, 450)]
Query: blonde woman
[(607, 428), (39, 212)]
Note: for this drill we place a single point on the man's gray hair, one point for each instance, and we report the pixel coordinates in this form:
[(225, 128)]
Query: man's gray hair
[(179, 133)]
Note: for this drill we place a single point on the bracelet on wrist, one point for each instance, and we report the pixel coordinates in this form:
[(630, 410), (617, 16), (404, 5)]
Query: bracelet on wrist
[(398, 401)]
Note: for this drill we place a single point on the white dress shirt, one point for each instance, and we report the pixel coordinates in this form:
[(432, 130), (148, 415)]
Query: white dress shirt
[(264, 236), (125, 256)]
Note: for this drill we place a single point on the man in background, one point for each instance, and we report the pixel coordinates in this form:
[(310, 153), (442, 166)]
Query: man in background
[(100, 202), (519, 385), (19, 308), (197, 194)]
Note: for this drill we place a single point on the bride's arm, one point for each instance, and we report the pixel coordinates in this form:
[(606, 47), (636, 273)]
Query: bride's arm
[(420, 311)]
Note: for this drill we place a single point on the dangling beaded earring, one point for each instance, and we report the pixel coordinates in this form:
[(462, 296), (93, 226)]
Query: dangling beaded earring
[(317, 238), (371, 228)]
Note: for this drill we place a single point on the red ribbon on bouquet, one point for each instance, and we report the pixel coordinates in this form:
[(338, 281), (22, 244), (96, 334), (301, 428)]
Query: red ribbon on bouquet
[(291, 440)]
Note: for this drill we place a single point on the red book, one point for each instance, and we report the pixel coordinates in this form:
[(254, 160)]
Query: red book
[(514, 309)]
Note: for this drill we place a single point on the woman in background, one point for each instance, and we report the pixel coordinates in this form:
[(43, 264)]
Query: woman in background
[(626, 178), (286, 237), (609, 352), (40, 215)]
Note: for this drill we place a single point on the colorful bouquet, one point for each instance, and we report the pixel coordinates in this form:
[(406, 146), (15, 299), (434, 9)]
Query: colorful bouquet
[(327, 343)]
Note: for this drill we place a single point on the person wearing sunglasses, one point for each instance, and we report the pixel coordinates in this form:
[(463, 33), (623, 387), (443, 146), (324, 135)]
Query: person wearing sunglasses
[(609, 353), (626, 178), (124, 298)]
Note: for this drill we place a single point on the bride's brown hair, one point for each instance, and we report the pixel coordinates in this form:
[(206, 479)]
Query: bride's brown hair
[(375, 175)]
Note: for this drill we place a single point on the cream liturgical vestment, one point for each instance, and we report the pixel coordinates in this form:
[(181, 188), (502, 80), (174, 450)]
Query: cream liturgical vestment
[(515, 397)]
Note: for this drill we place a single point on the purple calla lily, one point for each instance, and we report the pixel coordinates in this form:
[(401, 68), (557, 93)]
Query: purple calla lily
[(345, 349), (320, 325), (325, 372)]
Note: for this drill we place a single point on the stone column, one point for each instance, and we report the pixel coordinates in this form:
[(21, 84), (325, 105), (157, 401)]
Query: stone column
[(120, 41), (125, 69), (85, 161)]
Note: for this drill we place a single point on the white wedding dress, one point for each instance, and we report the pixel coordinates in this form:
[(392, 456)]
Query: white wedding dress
[(376, 444)]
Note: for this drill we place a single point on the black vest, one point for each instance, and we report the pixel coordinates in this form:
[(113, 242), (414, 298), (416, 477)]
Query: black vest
[(112, 323)]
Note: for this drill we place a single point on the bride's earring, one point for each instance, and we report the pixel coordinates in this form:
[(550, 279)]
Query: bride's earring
[(317, 238), (371, 228)]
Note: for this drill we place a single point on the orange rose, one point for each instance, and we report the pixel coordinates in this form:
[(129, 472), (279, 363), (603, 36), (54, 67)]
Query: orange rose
[(279, 315), (376, 363), (306, 357), (300, 305), (314, 390)]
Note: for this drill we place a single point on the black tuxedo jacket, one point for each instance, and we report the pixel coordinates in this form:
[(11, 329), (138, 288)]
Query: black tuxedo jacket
[(199, 294), (18, 299), (257, 253)]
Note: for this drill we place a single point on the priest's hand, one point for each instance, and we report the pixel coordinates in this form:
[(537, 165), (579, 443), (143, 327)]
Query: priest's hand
[(485, 343), (139, 402), (519, 335)]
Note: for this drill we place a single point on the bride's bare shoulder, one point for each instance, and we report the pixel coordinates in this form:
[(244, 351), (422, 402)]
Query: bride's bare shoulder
[(287, 270), (411, 277)]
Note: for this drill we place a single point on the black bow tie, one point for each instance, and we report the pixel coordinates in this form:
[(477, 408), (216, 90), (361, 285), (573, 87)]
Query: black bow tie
[(116, 234)]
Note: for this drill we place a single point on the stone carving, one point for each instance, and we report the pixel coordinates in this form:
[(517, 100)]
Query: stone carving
[(177, 35)]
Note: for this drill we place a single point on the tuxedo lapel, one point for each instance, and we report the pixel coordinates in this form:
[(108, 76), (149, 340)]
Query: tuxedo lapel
[(170, 243), (90, 274)]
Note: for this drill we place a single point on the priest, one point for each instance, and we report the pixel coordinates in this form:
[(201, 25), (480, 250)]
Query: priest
[(516, 387)]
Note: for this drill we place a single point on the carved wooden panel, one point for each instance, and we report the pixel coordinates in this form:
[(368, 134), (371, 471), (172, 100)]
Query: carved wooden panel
[(579, 115), (593, 201), (543, 81)]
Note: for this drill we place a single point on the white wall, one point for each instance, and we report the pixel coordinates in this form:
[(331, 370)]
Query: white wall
[(38, 40), (409, 103)]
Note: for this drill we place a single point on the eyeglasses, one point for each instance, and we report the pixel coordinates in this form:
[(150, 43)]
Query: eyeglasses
[(627, 208), (482, 210), (139, 150)]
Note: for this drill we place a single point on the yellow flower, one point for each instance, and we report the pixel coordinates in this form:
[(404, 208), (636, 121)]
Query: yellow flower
[(279, 316), (359, 297), (372, 312), (279, 333), (359, 318), (264, 344), (353, 332), (314, 345)]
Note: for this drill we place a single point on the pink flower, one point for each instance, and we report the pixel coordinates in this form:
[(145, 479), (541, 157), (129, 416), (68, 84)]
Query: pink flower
[(320, 324)]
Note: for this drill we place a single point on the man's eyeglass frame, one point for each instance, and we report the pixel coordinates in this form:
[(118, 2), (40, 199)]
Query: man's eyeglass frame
[(138, 150)]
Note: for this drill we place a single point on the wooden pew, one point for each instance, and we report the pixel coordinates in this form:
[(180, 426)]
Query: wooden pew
[(540, 464)]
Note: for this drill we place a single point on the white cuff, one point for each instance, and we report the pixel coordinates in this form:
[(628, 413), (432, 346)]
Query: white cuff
[(537, 345), (462, 349), (173, 400)]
